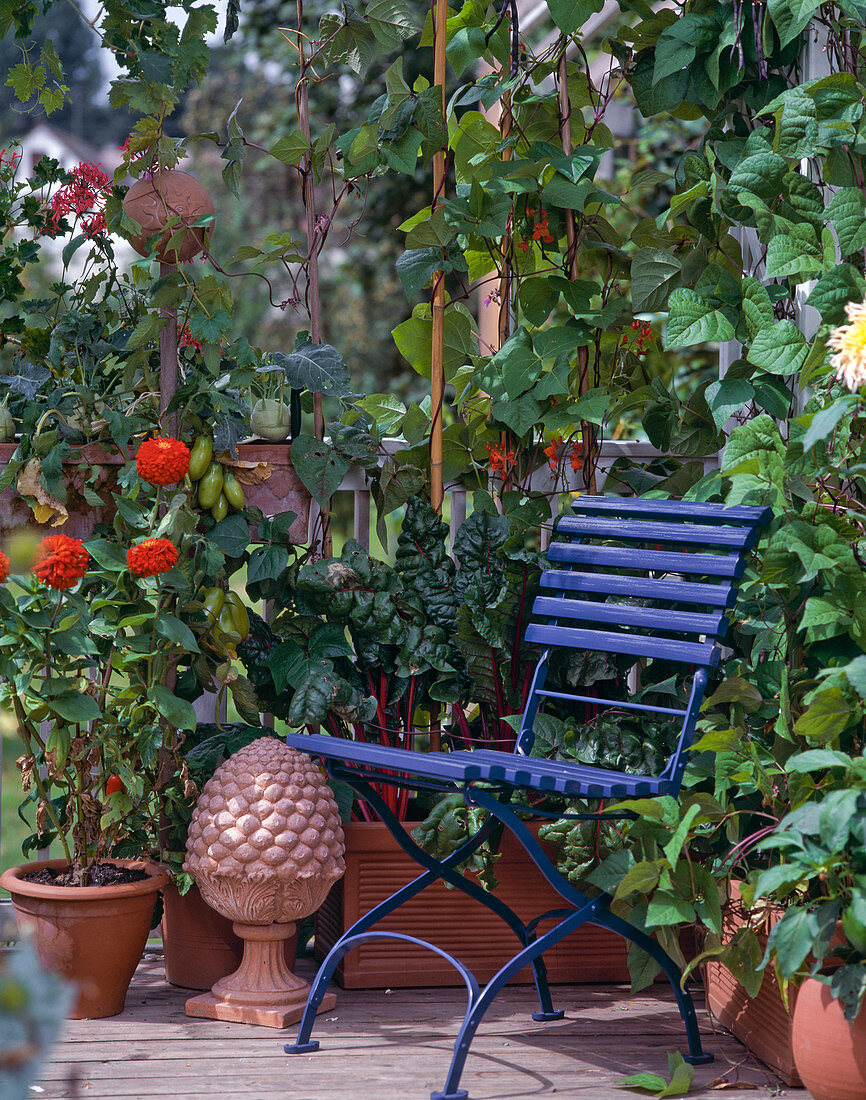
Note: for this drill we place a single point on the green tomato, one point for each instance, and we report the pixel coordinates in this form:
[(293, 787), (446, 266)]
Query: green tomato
[(211, 485), (233, 490), (200, 456), (221, 509)]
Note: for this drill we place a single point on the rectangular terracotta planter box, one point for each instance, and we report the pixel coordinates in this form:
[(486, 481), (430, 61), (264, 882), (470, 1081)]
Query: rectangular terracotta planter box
[(762, 1024), (376, 867), (282, 491)]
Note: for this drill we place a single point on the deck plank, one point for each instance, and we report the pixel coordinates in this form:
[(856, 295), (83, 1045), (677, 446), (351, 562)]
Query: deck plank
[(379, 1045)]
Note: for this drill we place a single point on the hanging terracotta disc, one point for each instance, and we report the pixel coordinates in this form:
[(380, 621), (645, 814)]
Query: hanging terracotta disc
[(153, 202)]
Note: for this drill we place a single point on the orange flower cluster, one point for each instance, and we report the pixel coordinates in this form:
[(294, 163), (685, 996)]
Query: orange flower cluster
[(500, 461), (552, 451), (151, 557), (5, 566), (645, 333), (162, 461), (62, 561), (540, 230)]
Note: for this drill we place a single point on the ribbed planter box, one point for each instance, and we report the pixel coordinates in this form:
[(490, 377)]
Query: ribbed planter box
[(376, 867), (762, 1024)]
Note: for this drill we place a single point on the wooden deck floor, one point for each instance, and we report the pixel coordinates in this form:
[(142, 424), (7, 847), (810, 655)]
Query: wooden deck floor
[(390, 1046)]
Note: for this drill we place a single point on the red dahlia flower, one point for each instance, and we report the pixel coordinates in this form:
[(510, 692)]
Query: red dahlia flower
[(62, 561), (151, 557), (162, 461), (5, 564)]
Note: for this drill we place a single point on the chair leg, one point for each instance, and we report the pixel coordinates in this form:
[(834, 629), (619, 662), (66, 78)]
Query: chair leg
[(485, 998), (505, 813), (444, 869), (697, 1056)]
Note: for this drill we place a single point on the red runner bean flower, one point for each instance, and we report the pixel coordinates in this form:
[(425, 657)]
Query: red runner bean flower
[(5, 566), (500, 460), (552, 451), (62, 561), (577, 459), (151, 557), (162, 461)]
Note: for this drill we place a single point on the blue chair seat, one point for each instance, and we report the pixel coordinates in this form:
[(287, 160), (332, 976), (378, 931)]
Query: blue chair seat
[(477, 766)]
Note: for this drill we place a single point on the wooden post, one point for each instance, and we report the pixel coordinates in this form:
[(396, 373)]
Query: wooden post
[(587, 431), (313, 303), (437, 305)]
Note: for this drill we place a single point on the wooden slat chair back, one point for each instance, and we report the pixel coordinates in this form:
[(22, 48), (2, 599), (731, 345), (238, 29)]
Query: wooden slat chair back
[(648, 579)]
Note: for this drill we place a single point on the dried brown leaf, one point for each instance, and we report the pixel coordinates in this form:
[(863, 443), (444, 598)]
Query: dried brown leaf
[(247, 473), (46, 508)]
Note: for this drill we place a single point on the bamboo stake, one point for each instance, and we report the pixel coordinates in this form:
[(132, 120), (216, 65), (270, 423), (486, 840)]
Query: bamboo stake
[(437, 304), (505, 275), (313, 302), (168, 356), (587, 430)]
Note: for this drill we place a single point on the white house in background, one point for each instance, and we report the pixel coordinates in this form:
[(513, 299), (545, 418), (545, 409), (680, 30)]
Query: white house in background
[(45, 140)]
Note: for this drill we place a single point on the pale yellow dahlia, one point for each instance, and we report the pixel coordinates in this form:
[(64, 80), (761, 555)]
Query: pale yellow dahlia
[(849, 343)]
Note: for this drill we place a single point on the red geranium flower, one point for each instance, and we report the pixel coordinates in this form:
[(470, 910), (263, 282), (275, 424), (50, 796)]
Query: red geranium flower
[(151, 557), (162, 461), (5, 564), (62, 561)]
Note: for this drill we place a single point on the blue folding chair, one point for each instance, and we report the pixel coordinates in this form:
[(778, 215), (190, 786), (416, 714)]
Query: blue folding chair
[(677, 565)]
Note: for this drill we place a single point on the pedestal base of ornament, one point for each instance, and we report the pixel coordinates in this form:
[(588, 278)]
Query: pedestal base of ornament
[(262, 990)]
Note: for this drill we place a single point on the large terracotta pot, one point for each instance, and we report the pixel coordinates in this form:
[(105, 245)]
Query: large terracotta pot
[(376, 867), (199, 944), (283, 491), (829, 1052), (763, 1023), (15, 512), (91, 935)]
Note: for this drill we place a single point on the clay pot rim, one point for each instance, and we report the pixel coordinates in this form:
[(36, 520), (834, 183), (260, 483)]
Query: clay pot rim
[(11, 880)]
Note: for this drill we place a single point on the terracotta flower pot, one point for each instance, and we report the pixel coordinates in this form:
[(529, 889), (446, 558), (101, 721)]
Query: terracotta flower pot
[(829, 1052), (16, 514), (199, 944), (91, 935), (283, 491), (376, 867)]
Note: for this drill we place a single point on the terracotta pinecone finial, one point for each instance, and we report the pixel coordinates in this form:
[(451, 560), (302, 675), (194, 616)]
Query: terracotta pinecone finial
[(265, 843)]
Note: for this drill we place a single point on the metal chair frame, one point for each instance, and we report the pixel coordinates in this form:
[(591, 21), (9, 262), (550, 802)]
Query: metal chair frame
[(492, 779)]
